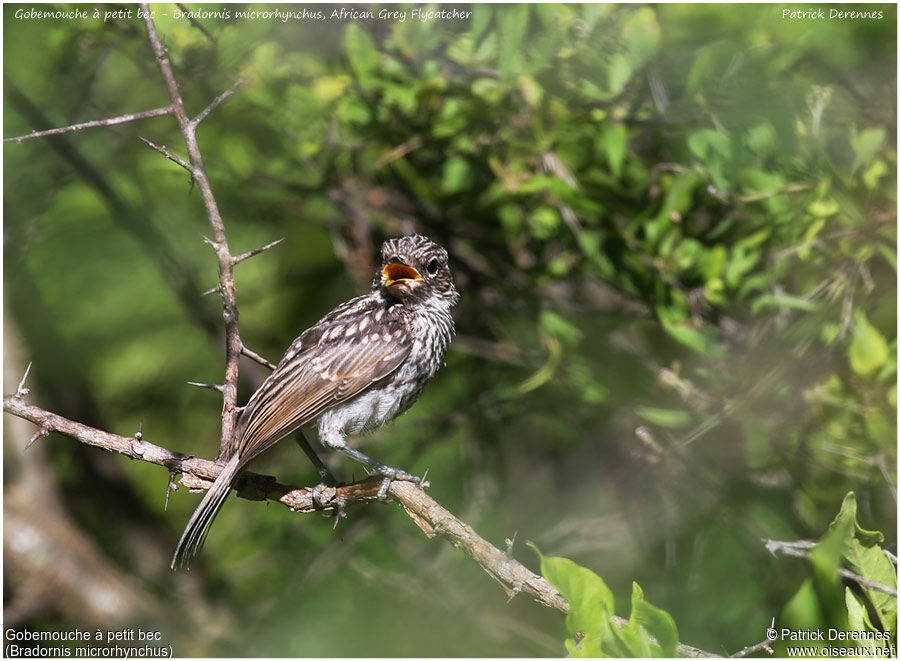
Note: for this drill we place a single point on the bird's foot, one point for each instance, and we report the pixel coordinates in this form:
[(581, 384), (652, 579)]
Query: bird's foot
[(319, 497), (390, 474)]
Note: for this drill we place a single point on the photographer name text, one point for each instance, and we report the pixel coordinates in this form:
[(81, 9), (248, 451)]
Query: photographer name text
[(819, 14)]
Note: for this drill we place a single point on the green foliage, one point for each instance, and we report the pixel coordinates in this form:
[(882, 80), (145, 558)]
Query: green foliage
[(822, 602), (592, 628), (868, 349), (673, 228)]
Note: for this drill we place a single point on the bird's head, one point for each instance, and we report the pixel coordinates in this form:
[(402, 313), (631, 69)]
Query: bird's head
[(415, 268)]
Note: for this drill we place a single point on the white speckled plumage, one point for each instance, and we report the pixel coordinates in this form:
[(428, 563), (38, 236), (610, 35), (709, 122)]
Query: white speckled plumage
[(360, 366)]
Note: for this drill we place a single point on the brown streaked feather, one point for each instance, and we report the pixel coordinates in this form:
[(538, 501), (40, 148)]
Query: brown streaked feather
[(321, 369)]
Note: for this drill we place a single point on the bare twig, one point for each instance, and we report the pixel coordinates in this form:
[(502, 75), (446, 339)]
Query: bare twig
[(250, 253), (399, 151), (197, 24), (233, 343), (165, 152), (214, 104), (121, 119), (801, 549), (252, 355), (750, 649)]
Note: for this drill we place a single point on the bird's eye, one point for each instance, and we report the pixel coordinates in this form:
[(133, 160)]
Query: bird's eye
[(395, 260), (432, 267)]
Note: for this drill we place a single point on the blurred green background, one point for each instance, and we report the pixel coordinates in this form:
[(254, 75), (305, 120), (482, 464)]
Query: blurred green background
[(674, 232)]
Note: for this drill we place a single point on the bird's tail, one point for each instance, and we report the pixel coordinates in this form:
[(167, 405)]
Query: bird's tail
[(195, 532)]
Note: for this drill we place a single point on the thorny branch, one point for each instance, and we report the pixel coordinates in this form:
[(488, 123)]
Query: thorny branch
[(111, 121), (233, 344), (196, 473), (765, 645), (801, 549), (428, 514)]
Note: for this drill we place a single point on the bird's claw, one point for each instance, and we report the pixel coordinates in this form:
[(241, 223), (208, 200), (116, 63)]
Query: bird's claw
[(391, 474), (320, 500), (383, 489)]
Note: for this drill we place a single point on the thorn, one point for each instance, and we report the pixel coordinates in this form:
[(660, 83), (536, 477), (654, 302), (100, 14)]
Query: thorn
[(211, 386), (250, 253), (172, 157), (510, 543), (21, 391), (256, 357), (424, 478), (172, 486), (339, 512), (43, 432), (214, 290), (209, 241), (139, 435)]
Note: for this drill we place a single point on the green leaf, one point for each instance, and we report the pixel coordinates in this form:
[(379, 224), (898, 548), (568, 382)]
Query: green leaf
[(679, 330), (456, 174), (544, 222), (591, 602), (709, 143), (824, 208), (803, 610), (328, 88), (874, 173), (673, 418), (868, 348), (855, 611), (618, 73), (531, 90), (761, 139), (362, 53), (757, 182), (591, 624), (783, 301), (865, 557), (656, 621), (640, 32), (865, 145), (512, 25), (489, 89), (559, 327), (613, 141), (826, 558), (858, 620), (480, 20)]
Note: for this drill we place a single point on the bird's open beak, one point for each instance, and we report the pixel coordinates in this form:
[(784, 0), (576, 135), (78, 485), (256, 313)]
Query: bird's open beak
[(395, 273)]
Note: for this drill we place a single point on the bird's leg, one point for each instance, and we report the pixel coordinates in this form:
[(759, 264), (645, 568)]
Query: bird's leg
[(327, 478), (335, 439), (389, 472)]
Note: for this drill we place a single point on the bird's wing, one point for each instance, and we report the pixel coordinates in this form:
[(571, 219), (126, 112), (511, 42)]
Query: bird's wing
[(330, 363)]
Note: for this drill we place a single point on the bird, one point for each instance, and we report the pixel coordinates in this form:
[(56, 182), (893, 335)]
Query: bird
[(362, 365)]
